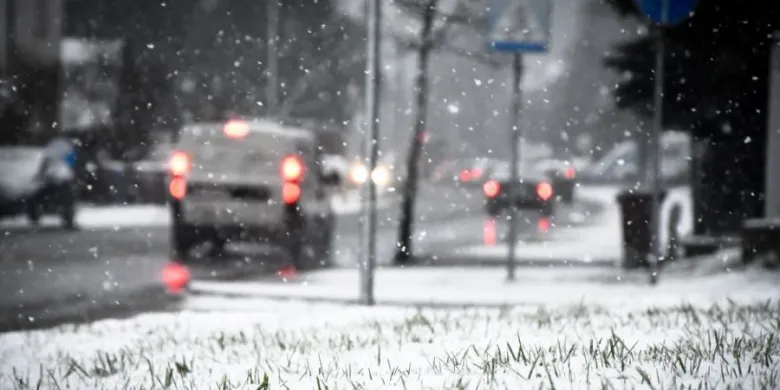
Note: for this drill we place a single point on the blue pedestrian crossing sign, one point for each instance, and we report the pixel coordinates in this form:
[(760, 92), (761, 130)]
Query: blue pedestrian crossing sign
[(667, 12), (520, 25)]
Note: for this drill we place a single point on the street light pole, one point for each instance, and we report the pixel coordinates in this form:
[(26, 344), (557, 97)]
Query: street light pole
[(272, 73), (373, 79)]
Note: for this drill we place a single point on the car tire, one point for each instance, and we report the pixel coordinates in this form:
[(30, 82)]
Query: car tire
[(567, 195), (34, 213), (69, 217), (548, 210), (493, 210), (310, 246), (183, 239)]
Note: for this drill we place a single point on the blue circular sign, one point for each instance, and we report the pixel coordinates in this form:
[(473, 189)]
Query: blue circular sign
[(667, 12)]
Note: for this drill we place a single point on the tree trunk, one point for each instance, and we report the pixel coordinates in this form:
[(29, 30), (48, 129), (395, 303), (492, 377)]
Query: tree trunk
[(406, 227)]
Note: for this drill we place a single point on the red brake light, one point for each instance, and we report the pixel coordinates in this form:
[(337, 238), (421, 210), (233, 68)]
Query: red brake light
[(491, 188), (291, 192), (236, 129), (470, 174), (178, 188), (543, 225), (569, 173), (292, 168), (544, 190), (179, 164)]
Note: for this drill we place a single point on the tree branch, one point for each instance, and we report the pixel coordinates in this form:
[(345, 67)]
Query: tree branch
[(304, 83), (478, 56)]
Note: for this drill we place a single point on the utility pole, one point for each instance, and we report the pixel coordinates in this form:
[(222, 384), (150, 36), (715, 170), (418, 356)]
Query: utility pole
[(272, 69), (373, 79)]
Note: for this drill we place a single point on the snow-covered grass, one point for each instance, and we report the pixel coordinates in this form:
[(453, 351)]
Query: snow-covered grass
[(682, 342)]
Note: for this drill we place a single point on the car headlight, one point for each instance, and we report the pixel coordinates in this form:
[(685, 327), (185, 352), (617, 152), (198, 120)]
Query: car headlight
[(358, 173), (381, 176)]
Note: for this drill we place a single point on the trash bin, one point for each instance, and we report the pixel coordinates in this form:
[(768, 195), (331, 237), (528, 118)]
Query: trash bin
[(636, 209)]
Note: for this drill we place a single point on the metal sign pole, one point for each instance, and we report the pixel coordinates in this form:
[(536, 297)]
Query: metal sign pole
[(372, 146), (654, 146), (516, 135)]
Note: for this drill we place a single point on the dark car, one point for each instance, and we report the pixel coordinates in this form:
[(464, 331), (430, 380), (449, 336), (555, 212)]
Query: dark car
[(562, 174), (532, 191), (37, 181), (250, 181)]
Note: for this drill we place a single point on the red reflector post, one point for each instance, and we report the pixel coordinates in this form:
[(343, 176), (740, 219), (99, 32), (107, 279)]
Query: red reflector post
[(489, 232), (292, 168), (291, 193), (543, 225), (491, 188), (175, 277), (178, 188), (179, 164), (544, 190)]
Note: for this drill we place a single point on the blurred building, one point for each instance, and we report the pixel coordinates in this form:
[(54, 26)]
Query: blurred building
[(30, 34)]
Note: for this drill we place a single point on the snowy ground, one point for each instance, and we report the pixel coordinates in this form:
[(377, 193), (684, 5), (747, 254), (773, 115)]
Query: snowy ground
[(705, 325), (97, 217), (597, 242), (718, 331)]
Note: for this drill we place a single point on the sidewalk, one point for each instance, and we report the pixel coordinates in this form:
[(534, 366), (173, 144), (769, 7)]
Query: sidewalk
[(489, 287)]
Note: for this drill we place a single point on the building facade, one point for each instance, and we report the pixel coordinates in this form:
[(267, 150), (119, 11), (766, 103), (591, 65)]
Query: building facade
[(30, 36)]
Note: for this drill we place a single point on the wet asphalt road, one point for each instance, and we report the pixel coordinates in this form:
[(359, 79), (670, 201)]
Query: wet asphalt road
[(51, 276)]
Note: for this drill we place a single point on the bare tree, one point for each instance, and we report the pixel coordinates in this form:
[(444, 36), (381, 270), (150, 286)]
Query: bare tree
[(438, 29), (317, 74)]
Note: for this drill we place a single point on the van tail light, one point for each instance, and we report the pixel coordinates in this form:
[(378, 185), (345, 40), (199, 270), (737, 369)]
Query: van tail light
[(291, 193), (491, 188), (292, 168), (470, 174), (544, 190), (178, 187), (179, 164), (569, 173)]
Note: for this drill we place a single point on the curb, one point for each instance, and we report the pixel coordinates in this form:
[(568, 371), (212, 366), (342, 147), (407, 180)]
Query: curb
[(85, 309)]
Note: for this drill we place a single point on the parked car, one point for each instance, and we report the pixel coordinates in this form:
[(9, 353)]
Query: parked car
[(621, 164), (37, 181), (563, 175)]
